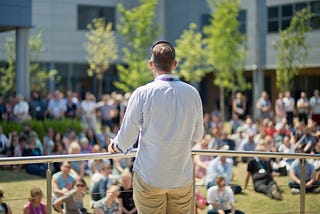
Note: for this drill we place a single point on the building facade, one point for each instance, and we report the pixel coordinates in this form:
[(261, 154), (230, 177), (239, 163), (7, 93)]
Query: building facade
[(64, 25)]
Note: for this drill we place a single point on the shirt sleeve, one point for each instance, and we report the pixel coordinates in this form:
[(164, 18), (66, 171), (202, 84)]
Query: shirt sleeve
[(131, 124), (199, 127)]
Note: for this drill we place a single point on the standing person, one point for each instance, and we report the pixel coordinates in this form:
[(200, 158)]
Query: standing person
[(303, 108), (167, 116), (21, 109), (315, 107), (289, 103), (56, 107), (37, 106), (88, 111), (4, 207), (264, 106), (3, 111), (35, 204), (280, 108), (239, 105)]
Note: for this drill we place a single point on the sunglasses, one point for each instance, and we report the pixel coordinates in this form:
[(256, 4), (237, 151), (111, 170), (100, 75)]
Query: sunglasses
[(80, 185)]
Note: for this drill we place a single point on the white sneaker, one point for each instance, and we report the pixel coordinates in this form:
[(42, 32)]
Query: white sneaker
[(295, 191)]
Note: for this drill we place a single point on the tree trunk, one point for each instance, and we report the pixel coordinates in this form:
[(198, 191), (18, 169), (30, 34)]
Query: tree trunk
[(222, 102)]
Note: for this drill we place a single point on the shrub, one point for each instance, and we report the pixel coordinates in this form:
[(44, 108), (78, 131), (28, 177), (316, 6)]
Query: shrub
[(41, 126)]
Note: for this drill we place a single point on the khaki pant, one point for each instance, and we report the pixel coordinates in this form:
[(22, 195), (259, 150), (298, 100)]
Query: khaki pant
[(152, 200)]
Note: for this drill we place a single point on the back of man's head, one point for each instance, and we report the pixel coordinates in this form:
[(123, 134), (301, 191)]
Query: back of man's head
[(163, 56)]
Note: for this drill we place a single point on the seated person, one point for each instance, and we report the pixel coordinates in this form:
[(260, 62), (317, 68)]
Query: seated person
[(260, 169), (32, 150), (221, 198), (221, 165), (35, 204), (63, 180), (312, 183), (126, 193), (73, 199), (110, 203), (4, 207), (100, 182)]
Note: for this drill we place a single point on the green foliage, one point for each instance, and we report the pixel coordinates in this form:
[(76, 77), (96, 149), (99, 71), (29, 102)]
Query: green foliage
[(292, 48), (226, 50), (101, 48), (138, 30), (38, 74), (190, 55), (41, 127)]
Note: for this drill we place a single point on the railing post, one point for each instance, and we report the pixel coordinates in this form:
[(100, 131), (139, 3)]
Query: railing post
[(49, 189), (193, 204), (302, 186)]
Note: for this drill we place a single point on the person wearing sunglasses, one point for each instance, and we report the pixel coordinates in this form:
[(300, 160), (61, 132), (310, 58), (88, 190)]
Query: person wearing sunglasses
[(4, 207), (72, 200)]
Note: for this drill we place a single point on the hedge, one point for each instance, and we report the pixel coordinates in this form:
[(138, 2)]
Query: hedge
[(41, 126)]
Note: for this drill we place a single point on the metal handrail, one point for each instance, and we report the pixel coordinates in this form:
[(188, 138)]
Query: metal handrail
[(72, 157)]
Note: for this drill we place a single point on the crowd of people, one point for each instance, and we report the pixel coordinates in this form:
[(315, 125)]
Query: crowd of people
[(286, 126)]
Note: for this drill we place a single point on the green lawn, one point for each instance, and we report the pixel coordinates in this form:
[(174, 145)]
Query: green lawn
[(17, 185)]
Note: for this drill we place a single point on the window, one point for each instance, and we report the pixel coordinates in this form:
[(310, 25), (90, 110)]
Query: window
[(86, 13), (273, 19), (286, 16), (315, 9), (242, 19), (279, 17)]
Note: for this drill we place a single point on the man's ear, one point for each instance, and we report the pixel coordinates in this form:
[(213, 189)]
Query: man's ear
[(175, 64), (151, 65)]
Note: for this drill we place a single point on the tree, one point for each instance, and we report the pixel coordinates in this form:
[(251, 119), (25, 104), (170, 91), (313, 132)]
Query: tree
[(138, 30), (292, 48), (38, 75), (226, 49), (190, 55), (101, 48)]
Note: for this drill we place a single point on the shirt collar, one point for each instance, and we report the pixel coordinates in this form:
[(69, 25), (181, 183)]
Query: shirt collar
[(167, 77)]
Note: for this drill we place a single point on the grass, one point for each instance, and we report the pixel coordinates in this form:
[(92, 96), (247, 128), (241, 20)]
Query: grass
[(17, 184)]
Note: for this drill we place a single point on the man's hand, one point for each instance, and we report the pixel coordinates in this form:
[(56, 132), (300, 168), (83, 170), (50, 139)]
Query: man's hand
[(112, 148)]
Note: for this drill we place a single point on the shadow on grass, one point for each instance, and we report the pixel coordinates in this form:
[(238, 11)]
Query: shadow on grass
[(7, 175)]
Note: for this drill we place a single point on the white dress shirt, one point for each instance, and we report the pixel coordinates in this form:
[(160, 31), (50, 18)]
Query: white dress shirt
[(167, 114)]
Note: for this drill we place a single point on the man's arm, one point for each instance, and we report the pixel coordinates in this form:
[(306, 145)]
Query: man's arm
[(129, 130), (247, 180)]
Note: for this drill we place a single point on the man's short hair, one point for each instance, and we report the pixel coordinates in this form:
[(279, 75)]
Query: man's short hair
[(163, 55)]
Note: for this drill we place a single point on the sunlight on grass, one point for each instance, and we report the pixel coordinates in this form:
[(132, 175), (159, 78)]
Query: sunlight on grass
[(17, 185)]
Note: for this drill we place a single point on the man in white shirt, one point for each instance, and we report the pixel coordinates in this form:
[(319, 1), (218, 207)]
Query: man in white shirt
[(21, 109), (221, 198), (168, 117), (289, 106)]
